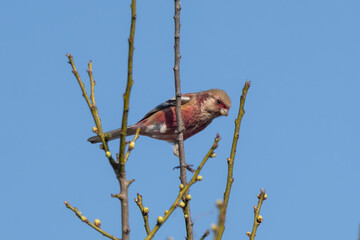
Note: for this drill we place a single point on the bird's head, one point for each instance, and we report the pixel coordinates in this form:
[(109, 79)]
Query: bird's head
[(218, 102)]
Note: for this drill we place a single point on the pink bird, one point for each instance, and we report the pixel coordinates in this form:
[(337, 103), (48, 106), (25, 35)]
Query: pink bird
[(197, 110)]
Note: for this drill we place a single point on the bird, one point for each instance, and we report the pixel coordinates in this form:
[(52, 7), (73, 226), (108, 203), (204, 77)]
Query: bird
[(198, 110)]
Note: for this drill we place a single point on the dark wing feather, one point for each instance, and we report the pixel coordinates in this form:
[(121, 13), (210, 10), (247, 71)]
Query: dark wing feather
[(169, 103)]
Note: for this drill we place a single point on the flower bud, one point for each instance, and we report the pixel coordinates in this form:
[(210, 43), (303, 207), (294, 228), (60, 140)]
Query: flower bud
[(97, 223), (248, 233), (108, 154), (259, 219), (181, 204), (95, 130), (131, 146), (83, 218), (188, 197), (213, 155), (199, 178), (160, 220), (214, 227), (181, 186), (146, 210)]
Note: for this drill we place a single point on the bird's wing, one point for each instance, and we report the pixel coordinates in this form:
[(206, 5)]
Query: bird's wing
[(169, 103)]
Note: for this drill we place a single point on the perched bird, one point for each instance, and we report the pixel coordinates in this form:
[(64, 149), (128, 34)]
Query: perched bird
[(197, 110)]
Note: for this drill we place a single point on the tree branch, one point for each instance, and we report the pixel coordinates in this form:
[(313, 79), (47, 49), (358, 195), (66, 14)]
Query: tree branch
[(144, 212), (257, 217), (95, 225), (121, 174), (129, 84), (180, 124), (230, 179), (93, 108), (207, 232), (132, 145), (184, 189)]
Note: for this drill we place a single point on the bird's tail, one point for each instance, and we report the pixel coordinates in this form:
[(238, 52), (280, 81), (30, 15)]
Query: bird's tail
[(114, 134)]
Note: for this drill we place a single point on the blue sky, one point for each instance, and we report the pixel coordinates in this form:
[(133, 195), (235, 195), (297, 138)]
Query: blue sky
[(299, 138)]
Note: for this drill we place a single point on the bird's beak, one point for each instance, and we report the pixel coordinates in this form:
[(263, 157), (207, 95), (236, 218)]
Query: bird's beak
[(224, 112)]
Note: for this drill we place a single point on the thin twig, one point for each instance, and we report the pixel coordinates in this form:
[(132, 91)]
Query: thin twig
[(144, 212), (257, 217), (93, 108), (184, 189), (129, 84), (92, 83), (230, 179), (207, 232), (85, 220), (180, 124), (121, 176), (132, 144)]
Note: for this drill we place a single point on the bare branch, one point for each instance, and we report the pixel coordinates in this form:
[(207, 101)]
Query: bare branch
[(180, 124), (95, 225), (92, 83), (184, 190), (129, 84), (132, 145), (144, 212), (207, 232), (121, 175), (223, 208), (118, 166), (257, 217), (93, 109)]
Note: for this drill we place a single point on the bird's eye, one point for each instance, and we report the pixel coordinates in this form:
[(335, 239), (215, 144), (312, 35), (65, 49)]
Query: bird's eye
[(219, 101)]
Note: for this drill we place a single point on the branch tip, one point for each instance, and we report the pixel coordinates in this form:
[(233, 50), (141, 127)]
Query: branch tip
[(131, 181)]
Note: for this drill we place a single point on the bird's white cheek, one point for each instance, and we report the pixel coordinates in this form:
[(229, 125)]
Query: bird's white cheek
[(208, 105)]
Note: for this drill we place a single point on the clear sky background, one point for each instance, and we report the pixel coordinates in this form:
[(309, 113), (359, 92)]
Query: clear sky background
[(299, 138)]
